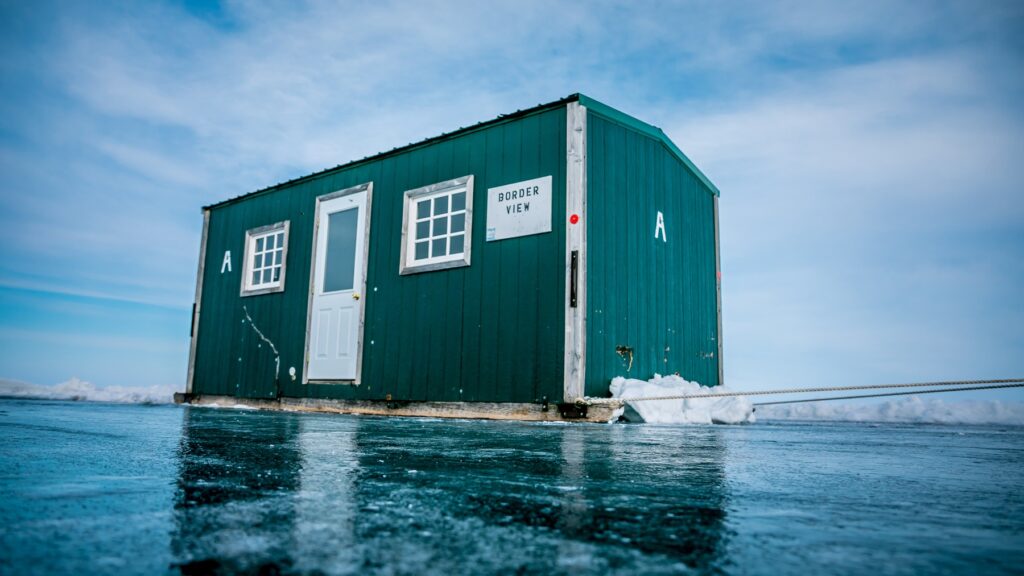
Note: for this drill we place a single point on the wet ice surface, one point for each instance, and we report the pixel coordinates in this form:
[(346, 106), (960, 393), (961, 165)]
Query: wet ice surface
[(92, 488)]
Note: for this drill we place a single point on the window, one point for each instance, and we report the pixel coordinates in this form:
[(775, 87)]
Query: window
[(265, 251), (437, 226)]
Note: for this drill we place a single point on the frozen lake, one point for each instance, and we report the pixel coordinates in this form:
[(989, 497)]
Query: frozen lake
[(101, 488)]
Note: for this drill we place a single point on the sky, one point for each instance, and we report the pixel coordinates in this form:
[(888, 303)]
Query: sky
[(872, 221)]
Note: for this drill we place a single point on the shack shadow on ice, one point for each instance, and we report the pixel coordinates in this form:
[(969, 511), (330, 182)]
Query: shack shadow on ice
[(504, 270)]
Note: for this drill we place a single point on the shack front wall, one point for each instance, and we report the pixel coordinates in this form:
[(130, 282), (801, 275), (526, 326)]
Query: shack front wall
[(492, 331), (651, 296)]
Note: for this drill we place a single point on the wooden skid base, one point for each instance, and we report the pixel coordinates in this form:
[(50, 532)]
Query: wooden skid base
[(473, 410)]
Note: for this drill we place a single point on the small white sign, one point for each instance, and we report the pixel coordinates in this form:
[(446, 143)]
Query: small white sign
[(519, 209)]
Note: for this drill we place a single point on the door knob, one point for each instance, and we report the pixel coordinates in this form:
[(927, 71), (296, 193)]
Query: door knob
[(355, 296)]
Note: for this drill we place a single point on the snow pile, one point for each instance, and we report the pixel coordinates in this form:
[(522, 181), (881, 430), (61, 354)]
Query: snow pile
[(80, 390), (911, 409), (726, 410)]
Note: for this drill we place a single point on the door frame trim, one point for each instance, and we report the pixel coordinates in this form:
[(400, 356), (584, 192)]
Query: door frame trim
[(368, 188)]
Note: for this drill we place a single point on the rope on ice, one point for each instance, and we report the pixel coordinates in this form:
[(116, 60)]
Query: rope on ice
[(971, 385), (915, 392)]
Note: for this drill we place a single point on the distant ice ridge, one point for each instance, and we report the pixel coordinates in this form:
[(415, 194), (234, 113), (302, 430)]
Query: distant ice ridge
[(726, 410), (80, 390), (911, 409)]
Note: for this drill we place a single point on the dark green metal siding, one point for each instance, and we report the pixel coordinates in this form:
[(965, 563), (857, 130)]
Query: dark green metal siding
[(657, 298), (492, 331)]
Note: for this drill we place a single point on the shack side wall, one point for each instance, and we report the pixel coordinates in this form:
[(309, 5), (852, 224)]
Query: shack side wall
[(656, 297), (492, 331)]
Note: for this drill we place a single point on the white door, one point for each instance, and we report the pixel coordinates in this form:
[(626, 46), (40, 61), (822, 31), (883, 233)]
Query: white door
[(336, 304)]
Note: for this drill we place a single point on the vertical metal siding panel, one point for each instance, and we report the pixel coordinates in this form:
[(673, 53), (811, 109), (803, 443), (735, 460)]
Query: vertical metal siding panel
[(711, 275), (649, 290), (599, 240), (431, 288), (689, 293), (418, 334), (311, 190), (457, 162), (633, 256), (440, 287), (241, 337), (243, 340), (492, 269), (525, 380), (599, 278), (471, 349), (673, 281), (413, 345), (375, 334), (394, 380), (658, 177), (293, 323), (550, 260), (617, 252), (508, 336)]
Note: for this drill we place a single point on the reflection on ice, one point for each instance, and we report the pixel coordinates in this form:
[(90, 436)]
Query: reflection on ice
[(235, 500), (277, 492)]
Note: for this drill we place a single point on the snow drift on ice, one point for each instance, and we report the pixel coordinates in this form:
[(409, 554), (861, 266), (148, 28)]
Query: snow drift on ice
[(80, 390), (725, 410), (912, 409)]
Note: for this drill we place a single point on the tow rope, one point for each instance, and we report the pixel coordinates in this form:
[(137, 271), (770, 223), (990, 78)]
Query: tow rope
[(957, 389), (957, 384)]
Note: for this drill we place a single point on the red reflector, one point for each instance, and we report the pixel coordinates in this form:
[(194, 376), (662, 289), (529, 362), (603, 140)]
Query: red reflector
[(574, 219)]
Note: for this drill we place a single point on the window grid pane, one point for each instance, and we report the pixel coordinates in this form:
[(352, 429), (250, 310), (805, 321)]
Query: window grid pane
[(440, 225), (267, 258)]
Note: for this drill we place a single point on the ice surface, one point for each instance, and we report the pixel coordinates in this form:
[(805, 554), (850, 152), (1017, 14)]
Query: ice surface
[(910, 409), (128, 489), (726, 410), (76, 389)]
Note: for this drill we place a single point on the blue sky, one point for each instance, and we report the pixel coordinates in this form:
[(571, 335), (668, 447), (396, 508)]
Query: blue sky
[(872, 215)]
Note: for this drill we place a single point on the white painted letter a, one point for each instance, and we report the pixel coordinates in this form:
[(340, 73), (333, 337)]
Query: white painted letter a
[(226, 265)]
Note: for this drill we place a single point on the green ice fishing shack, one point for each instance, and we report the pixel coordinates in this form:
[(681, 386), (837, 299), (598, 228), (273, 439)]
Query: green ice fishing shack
[(503, 270)]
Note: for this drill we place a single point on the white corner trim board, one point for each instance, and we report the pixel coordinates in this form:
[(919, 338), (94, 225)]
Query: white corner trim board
[(575, 243)]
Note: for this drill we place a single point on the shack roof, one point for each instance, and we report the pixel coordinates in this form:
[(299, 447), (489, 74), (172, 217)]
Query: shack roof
[(590, 103)]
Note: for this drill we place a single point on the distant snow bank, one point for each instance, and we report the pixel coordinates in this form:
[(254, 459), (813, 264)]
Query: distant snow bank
[(726, 410), (910, 409), (80, 390)]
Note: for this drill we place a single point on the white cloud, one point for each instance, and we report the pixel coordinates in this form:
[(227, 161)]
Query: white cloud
[(860, 149)]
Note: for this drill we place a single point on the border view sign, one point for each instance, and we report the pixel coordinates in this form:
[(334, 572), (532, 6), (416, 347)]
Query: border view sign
[(519, 209)]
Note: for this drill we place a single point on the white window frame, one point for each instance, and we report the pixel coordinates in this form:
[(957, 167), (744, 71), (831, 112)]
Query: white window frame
[(409, 264), (251, 235)]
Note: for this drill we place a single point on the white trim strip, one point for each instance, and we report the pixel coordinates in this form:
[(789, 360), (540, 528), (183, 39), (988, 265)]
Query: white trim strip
[(718, 294), (575, 240), (198, 304)]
